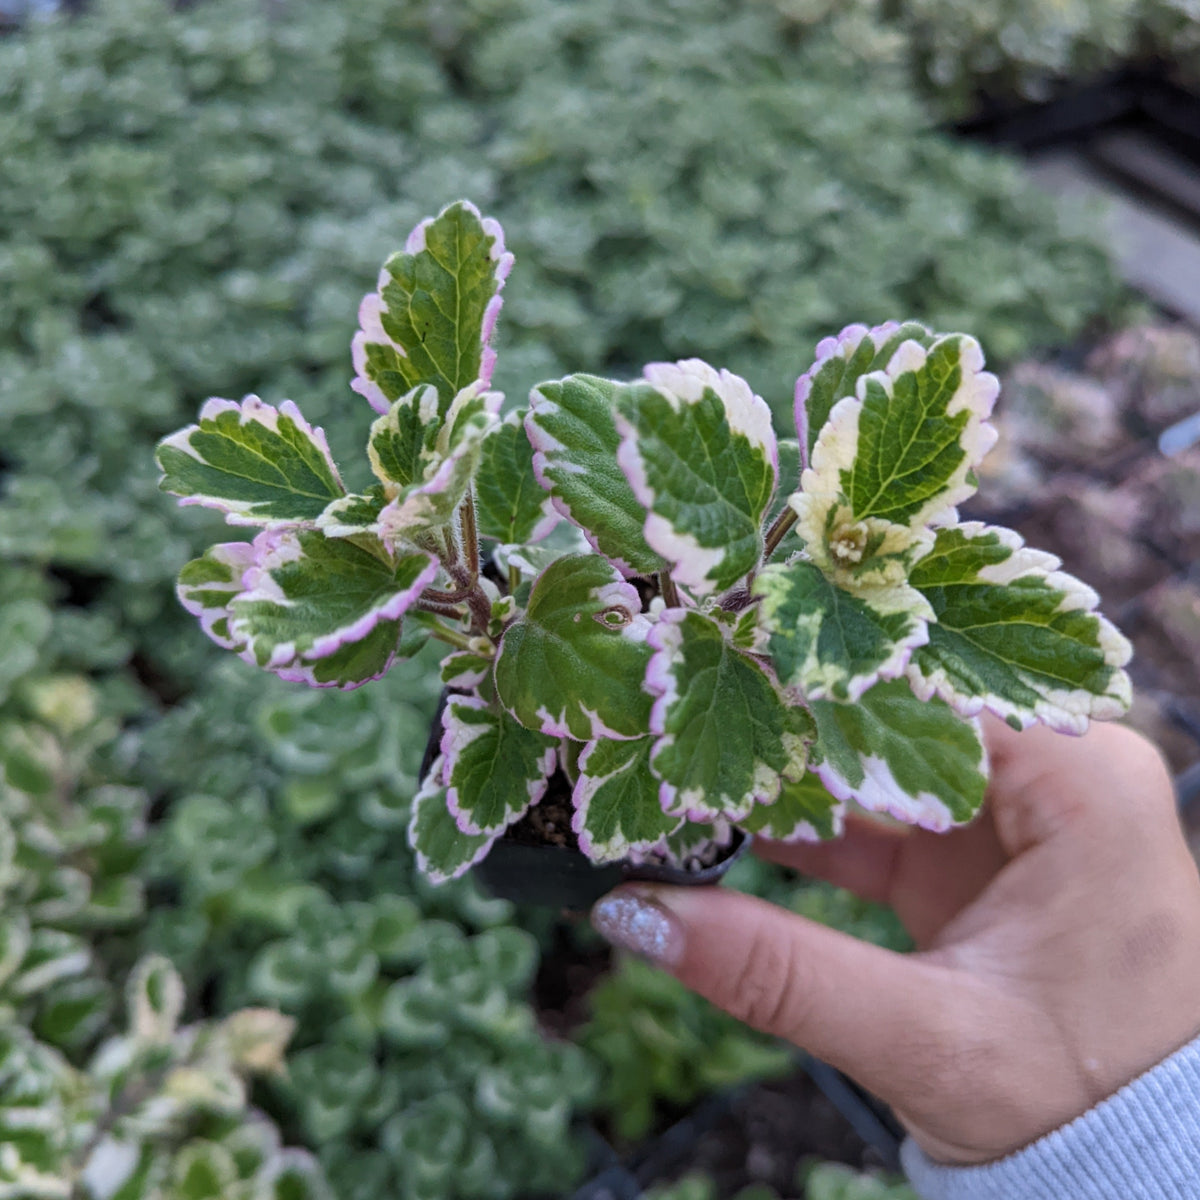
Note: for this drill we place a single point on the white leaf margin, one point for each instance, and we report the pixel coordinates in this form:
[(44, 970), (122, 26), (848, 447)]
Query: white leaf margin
[(251, 410), (274, 548), (879, 792), (457, 735), (1067, 710), (665, 639), (239, 557), (433, 791), (582, 796), (685, 383), (372, 309)]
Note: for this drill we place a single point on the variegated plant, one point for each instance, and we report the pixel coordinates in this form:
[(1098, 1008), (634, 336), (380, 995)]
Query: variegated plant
[(726, 629)]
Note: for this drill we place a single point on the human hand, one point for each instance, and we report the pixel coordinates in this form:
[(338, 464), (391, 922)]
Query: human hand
[(1058, 946)]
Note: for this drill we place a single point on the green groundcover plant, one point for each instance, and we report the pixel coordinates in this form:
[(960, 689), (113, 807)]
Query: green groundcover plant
[(727, 629)]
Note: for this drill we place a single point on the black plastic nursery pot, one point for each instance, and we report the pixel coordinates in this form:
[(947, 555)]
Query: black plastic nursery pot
[(560, 877), (520, 869)]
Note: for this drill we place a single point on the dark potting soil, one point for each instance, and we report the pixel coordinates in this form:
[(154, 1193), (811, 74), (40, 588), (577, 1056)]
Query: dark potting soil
[(548, 821)]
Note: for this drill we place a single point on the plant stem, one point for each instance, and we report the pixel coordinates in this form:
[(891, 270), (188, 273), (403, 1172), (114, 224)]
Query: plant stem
[(470, 536), (451, 637), (783, 523), (514, 578), (668, 590)]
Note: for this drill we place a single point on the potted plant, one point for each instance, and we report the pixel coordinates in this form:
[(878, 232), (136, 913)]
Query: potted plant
[(665, 627)]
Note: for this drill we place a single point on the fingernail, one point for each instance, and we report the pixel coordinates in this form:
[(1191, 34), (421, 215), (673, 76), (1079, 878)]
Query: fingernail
[(633, 922)]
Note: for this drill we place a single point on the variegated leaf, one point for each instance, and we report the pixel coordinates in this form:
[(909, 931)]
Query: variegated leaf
[(208, 585), (353, 514), (691, 841), (841, 362), (892, 752), (724, 733), (465, 669), (1015, 635), (431, 319), (308, 598), (257, 464), (804, 811), (893, 458), (510, 505), (829, 644), (789, 478), (572, 428), (573, 665), (495, 768), (700, 455), (443, 851), (444, 468), (616, 801)]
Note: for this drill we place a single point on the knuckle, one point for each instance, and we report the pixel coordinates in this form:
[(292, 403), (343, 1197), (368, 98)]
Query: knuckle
[(773, 990)]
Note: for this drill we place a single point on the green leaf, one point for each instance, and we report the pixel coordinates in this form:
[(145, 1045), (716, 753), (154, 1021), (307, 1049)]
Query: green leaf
[(257, 464), (465, 669), (704, 688), (309, 598), (891, 459), (789, 479), (425, 484), (616, 799), (700, 455), (892, 752), (495, 768), (829, 644), (351, 515), (841, 362), (1015, 635), (573, 666), (431, 319), (572, 428), (510, 505), (805, 810), (209, 584), (920, 431), (443, 851)]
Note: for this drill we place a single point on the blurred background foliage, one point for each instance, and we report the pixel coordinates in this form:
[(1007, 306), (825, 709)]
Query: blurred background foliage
[(192, 202)]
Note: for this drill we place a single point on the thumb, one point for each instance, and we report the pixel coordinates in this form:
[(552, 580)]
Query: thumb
[(872, 1013)]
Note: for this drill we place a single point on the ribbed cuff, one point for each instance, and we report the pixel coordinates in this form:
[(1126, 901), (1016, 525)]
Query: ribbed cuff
[(1141, 1144)]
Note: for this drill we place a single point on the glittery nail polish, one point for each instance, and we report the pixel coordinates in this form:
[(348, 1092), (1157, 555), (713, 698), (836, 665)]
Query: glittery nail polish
[(635, 923)]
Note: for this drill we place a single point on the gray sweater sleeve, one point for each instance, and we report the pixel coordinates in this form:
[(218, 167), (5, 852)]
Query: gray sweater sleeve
[(1141, 1144)]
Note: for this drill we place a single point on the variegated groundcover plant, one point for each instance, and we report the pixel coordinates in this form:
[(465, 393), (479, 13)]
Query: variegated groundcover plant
[(725, 628)]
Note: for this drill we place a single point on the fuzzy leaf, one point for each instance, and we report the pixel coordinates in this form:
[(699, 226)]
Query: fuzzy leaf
[(893, 752), (705, 688), (257, 464), (841, 362), (510, 505), (1015, 635), (431, 319), (804, 811), (573, 666), (495, 767), (828, 643), (465, 669), (920, 431), (443, 851), (893, 458), (573, 431), (310, 598), (353, 514), (208, 585), (616, 801), (699, 452), (445, 470)]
